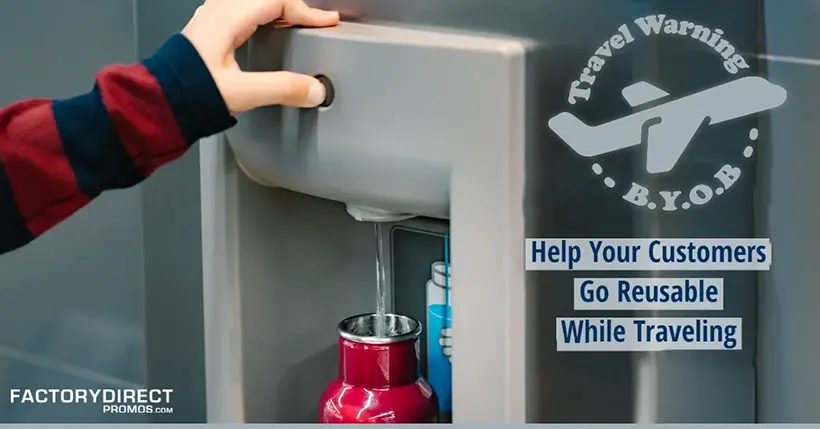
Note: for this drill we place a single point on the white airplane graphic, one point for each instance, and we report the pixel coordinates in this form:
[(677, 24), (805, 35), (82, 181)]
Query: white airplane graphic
[(668, 128)]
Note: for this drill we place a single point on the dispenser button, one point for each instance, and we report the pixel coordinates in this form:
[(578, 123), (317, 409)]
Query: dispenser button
[(330, 94)]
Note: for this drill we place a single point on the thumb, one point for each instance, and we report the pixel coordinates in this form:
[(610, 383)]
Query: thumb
[(249, 90)]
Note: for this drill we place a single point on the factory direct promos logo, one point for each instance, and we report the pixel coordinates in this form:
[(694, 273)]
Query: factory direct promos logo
[(110, 401), (668, 127)]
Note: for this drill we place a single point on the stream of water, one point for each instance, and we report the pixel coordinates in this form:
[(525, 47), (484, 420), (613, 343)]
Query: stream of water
[(380, 327)]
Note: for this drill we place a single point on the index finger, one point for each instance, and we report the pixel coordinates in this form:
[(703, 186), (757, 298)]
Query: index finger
[(296, 12)]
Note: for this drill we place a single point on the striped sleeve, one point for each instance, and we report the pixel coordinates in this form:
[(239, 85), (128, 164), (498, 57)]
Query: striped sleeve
[(58, 155)]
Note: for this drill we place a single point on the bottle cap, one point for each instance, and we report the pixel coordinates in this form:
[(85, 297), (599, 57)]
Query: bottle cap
[(441, 273)]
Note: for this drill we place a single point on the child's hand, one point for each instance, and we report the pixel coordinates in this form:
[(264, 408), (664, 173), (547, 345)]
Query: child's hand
[(219, 27)]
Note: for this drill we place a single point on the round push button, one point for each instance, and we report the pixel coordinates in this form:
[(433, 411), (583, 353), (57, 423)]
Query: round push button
[(330, 93)]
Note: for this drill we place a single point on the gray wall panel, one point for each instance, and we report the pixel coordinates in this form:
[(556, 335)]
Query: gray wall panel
[(71, 302), (173, 250)]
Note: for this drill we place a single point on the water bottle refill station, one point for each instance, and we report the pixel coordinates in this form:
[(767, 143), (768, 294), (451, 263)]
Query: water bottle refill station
[(389, 151), (438, 129)]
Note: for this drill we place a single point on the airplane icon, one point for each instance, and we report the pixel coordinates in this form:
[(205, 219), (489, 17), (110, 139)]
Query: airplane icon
[(667, 129)]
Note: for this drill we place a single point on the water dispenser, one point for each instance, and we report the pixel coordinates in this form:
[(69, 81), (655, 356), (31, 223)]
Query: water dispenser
[(423, 121), (439, 129)]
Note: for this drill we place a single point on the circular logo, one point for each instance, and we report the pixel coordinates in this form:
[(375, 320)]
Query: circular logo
[(664, 125)]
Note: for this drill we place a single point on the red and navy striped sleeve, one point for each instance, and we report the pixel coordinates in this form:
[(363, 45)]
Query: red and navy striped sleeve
[(58, 155)]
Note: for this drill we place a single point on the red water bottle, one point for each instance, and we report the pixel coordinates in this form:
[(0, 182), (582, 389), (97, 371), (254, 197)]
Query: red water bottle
[(379, 378)]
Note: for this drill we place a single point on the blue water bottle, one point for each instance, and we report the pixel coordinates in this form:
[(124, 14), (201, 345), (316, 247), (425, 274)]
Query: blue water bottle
[(439, 336)]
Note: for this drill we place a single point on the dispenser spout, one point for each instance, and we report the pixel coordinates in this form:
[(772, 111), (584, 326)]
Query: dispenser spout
[(370, 214)]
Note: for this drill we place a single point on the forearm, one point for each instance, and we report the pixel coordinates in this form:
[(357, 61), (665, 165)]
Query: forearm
[(57, 156)]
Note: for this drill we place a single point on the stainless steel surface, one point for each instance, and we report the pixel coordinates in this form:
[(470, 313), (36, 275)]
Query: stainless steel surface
[(362, 328)]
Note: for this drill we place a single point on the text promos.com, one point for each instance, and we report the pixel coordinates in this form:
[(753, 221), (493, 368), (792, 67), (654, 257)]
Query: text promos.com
[(111, 401)]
